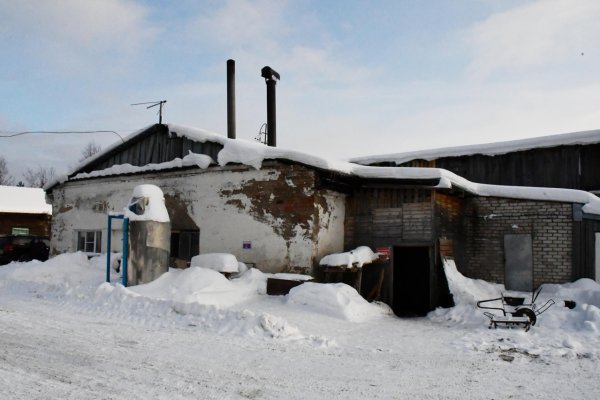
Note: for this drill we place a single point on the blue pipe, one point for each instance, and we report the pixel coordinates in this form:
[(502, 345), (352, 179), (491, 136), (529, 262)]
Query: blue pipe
[(125, 242), (108, 246)]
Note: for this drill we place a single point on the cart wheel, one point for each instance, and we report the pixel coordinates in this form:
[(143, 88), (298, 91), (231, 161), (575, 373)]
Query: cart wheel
[(526, 312)]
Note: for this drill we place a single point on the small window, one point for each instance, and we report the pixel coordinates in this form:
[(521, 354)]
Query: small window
[(89, 241)]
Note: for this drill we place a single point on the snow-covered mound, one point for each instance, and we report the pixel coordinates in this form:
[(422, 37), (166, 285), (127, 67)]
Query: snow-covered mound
[(469, 291), (335, 299), (221, 262), (63, 270), (192, 285)]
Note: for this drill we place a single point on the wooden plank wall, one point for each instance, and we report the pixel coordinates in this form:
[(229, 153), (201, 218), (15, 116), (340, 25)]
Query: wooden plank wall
[(157, 146), (38, 224), (387, 217), (584, 248), (573, 167)]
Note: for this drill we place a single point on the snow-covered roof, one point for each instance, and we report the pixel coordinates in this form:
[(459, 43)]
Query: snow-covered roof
[(251, 153), (23, 200), (488, 149)]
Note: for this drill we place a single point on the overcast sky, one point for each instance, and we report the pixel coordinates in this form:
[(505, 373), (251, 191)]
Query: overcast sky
[(357, 77)]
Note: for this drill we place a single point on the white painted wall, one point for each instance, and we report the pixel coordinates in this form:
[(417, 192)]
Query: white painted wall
[(330, 235), (223, 227)]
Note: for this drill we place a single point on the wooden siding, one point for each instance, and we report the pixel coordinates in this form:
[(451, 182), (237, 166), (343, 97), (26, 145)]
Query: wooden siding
[(156, 145), (573, 167), (449, 224), (388, 217), (38, 224), (584, 250)]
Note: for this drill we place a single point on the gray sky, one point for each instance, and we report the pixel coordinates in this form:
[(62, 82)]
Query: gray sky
[(357, 77)]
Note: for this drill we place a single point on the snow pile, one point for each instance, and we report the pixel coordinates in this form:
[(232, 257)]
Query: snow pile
[(126, 303), (14, 199), (197, 285), (335, 299), (195, 297), (147, 204), (468, 291), (221, 262), (355, 258), (559, 331), (65, 270)]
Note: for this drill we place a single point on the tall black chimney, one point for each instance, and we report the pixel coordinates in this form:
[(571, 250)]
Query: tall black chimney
[(231, 99), (271, 77)]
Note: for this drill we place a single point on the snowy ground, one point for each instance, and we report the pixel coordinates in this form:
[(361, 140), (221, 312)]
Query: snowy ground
[(192, 334)]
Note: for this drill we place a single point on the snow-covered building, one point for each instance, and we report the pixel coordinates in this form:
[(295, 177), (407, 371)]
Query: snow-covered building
[(282, 211), (569, 160), (222, 196), (24, 211)]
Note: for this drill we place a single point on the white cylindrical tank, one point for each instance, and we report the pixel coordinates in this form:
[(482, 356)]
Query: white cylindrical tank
[(149, 235)]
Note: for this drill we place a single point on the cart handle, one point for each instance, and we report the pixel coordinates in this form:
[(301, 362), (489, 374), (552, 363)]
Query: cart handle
[(479, 305), (546, 306)]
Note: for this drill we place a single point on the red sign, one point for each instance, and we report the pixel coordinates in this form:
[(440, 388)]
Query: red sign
[(384, 252)]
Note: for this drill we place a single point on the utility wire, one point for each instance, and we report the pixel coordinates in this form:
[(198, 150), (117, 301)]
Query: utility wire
[(59, 133)]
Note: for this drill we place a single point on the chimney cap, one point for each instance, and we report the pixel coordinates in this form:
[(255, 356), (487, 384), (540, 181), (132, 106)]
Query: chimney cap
[(269, 73)]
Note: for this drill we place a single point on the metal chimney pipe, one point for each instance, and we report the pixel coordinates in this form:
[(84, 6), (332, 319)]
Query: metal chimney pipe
[(231, 99), (271, 77)]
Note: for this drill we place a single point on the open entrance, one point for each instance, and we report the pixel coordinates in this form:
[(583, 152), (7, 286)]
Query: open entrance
[(185, 244), (411, 280)]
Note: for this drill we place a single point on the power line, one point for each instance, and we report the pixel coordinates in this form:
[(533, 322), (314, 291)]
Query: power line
[(59, 133)]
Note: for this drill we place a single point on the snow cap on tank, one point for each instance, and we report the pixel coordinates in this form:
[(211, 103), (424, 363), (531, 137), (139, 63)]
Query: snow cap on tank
[(147, 203)]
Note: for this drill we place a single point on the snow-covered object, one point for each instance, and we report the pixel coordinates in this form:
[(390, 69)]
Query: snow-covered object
[(488, 149), (191, 285), (292, 277), (14, 199), (354, 258), (335, 299), (152, 203), (221, 262)]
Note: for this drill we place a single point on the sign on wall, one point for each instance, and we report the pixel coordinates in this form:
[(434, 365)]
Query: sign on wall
[(247, 245), (20, 231)]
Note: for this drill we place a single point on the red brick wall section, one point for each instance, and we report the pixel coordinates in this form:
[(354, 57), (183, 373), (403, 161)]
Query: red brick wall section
[(488, 219)]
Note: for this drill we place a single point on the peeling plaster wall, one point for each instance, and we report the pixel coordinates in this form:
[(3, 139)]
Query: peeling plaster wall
[(331, 212), (275, 211)]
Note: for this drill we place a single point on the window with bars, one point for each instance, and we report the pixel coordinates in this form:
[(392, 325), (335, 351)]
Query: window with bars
[(89, 241)]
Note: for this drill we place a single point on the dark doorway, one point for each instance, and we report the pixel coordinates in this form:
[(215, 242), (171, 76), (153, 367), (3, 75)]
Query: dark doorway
[(411, 281), (184, 245)]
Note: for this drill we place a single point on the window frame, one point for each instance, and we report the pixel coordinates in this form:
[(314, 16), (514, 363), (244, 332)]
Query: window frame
[(89, 241)]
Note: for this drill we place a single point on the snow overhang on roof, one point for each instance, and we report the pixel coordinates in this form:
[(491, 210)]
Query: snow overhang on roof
[(251, 153), (23, 200), (489, 149)]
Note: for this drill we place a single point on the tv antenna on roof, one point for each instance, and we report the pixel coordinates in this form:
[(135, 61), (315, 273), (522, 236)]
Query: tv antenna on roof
[(159, 103)]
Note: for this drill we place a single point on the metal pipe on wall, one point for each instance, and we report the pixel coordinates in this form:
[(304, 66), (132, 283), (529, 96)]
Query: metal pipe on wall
[(271, 77), (231, 99)]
